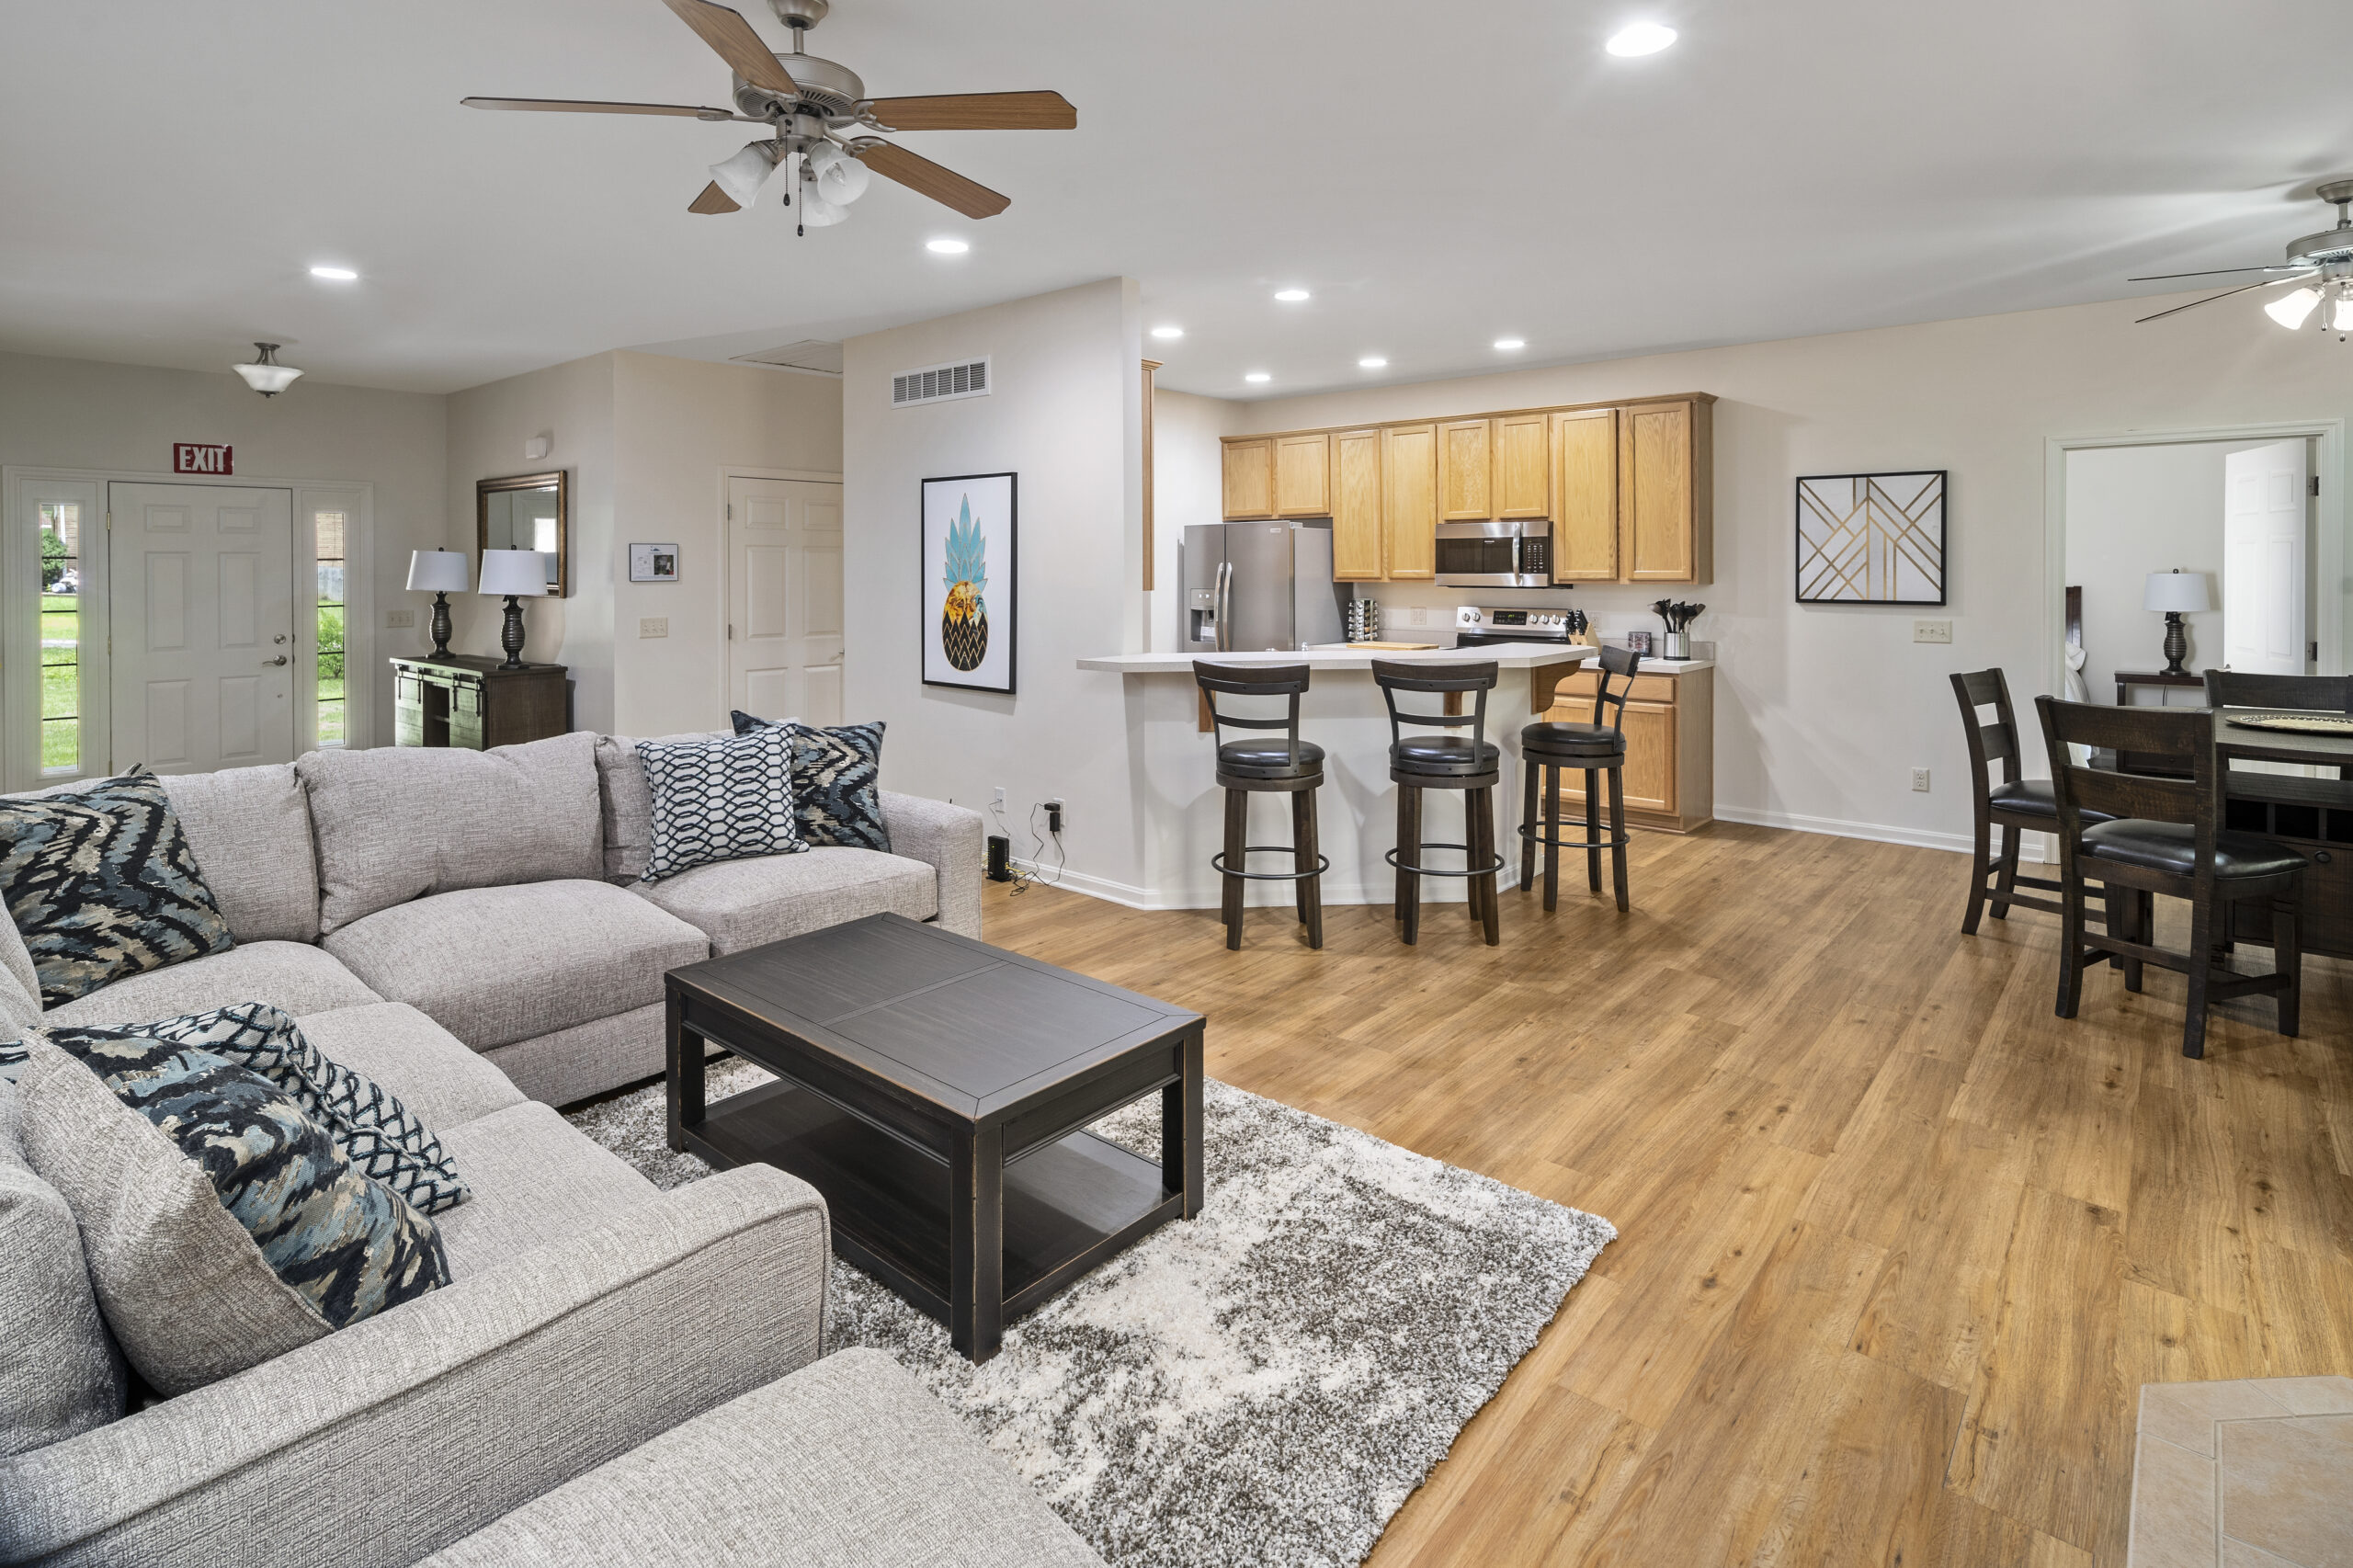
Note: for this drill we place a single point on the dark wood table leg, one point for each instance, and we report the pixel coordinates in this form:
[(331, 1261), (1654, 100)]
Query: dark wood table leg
[(1180, 1129), (976, 1242), (684, 1072)]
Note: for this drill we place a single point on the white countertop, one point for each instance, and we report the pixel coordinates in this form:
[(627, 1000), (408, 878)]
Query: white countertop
[(1343, 656)]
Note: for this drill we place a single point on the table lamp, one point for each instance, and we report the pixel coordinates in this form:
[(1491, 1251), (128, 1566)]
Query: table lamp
[(2177, 592), (518, 574), (439, 573)]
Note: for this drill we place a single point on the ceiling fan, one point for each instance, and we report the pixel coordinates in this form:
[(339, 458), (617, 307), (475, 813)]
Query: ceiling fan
[(819, 118), (2328, 255)]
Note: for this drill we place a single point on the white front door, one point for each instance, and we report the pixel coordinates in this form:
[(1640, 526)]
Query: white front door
[(201, 582), (784, 599), (2263, 559)]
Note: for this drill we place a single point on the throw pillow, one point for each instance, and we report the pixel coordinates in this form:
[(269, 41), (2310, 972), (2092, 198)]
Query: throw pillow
[(373, 1129), (221, 1226), (101, 885), (834, 773), (724, 800)]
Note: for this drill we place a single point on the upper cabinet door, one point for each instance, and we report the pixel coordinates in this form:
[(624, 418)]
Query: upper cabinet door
[(1250, 479), (1356, 506), (1465, 470), (1585, 516), (1303, 475), (1523, 466), (1665, 497), (1409, 501)]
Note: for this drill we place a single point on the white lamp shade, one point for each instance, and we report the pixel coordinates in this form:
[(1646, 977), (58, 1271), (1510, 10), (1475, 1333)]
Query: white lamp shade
[(268, 380), (816, 212), (2290, 308), (513, 572), (2183, 591), (742, 176), (841, 179), (437, 571)]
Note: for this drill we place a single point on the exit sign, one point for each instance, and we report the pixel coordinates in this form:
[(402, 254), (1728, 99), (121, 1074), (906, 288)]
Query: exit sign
[(198, 457)]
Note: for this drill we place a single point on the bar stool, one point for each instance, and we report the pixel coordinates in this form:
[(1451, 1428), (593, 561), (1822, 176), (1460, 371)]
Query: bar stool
[(1596, 748), (1443, 762), (1253, 767)]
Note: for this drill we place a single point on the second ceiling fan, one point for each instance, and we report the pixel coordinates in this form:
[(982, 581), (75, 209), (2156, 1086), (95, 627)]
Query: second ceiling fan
[(821, 123)]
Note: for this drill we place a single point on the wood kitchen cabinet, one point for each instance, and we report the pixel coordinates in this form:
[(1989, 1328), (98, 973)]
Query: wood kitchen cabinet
[(1356, 506), (1409, 502), (1250, 479), (1664, 491), (1670, 777), (1303, 475), (1523, 483), (1585, 489), (1465, 470)]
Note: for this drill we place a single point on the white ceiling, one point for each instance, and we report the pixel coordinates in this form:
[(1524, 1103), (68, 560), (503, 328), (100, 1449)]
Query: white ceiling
[(1436, 175)]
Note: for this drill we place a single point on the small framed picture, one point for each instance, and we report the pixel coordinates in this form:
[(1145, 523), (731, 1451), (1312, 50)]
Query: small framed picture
[(1639, 642), (653, 562)]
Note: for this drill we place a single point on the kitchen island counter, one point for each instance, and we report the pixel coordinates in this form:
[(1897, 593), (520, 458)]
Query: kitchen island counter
[(1348, 656)]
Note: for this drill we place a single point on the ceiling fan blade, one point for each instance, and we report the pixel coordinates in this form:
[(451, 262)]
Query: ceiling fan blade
[(977, 111), (2217, 272), (925, 177), (585, 105), (714, 202), (734, 41), (2266, 283)]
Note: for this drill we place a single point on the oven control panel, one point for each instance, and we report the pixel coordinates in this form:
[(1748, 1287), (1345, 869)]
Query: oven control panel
[(1551, 622)]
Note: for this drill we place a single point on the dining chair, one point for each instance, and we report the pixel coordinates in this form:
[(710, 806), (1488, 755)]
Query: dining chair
[(2305, 694), (2015, 806), (2162, 834)]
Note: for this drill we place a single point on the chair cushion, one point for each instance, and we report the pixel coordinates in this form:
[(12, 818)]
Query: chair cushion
[(294, 976), (627, 802), (496, 965), (61, 1373), (435, 1074), (537, 1180), (834, 800), (101, 884), (742, 903), (1444, 754), (716, 800), (398, 823), (2173, 847), (1268, 756), (1578, 740), (249, 829)]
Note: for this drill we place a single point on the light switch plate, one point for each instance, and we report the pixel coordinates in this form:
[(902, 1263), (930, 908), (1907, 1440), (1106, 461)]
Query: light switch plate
[(1419, 616), (1932, 632), (397, 619), (654, 626)]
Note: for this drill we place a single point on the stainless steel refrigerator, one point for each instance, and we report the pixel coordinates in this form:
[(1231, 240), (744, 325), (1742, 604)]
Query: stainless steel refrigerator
[(1256, 587)]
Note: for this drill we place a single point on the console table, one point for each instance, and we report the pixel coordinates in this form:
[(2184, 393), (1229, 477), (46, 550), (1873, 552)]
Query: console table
[(475, 703)]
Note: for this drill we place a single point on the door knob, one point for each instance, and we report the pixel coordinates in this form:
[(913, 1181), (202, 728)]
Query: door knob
[(279, 638), (280, 660)]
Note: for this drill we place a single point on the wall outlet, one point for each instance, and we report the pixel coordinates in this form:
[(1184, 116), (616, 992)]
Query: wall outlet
[(1920, 779), (397, 619), (1419, 616), (1932, 632), (999, 802), (1053, 816), (654, 626)]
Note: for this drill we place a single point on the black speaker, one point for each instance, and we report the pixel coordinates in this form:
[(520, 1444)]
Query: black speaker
[(1000, 858)]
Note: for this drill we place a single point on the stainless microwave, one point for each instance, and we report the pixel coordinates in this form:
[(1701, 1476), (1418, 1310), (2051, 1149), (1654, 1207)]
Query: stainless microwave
[(1496, 554)]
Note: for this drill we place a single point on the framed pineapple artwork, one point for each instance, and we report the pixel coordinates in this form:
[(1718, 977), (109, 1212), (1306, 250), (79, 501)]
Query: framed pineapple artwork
[(969, 570)]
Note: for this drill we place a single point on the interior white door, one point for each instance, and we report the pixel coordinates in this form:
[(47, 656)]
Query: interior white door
[(2263, 557), (784, 599), (200, 588)]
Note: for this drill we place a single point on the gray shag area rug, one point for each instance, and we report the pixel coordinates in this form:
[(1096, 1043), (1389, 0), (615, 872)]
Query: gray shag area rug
[(1265, 1384)]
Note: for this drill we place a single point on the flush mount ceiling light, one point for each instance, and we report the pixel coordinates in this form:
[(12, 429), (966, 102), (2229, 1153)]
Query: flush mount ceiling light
[(947, 247), (265, 375), (1290, 296), (1372, 362), (1511, 343), (1168, 331), (336, 274), (2321, 264), (1255, 377), (1642, 38)]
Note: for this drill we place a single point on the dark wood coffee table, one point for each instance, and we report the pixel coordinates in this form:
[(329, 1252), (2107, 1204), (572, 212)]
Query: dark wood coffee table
[(938, 1090)]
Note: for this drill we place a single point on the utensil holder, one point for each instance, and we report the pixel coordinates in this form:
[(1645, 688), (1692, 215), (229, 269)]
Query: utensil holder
[(1675, 645)]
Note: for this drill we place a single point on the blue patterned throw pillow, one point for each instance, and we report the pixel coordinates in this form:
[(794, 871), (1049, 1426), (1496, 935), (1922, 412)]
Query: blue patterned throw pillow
[(835, 777), (102, 885), (723, 799), (374, 1130)]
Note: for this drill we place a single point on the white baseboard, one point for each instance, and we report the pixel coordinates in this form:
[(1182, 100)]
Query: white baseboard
[(2036, 847), (1266, 895)]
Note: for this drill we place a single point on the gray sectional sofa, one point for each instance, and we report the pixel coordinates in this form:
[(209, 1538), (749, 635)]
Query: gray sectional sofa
[(615, 1374)]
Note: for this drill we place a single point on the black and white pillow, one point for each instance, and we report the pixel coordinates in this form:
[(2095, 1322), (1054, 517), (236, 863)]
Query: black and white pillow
[(723, 799), (835, 778)]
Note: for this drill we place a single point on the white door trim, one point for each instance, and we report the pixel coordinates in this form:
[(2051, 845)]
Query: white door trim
[(724, 576), (20, 579)]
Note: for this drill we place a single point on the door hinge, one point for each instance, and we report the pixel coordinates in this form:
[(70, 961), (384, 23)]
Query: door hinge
[(731, 506), (2315, 482), (731, 631)]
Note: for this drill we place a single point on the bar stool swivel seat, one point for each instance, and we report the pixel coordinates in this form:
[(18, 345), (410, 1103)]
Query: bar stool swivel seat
[(1260, 763), (1471, 764)]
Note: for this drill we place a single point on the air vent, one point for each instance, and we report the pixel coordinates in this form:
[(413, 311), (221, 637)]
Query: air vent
[(937, 384), (808, 356)]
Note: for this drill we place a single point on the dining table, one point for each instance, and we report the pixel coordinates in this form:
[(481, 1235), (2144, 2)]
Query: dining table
[(2313, 816)]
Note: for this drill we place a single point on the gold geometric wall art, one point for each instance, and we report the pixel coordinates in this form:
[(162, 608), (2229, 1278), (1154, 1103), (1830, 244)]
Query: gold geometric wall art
[(1872, 538)]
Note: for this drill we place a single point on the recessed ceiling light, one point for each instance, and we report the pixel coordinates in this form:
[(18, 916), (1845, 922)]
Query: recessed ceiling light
[(1290, 296), (1642, 38), (335, 274), (1372, 362), (1255, 376), (1511, 343), (947, 247), (1168, 331)]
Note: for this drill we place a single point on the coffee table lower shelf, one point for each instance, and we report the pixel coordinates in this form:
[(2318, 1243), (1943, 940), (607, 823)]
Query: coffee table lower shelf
[(1068, 1205)]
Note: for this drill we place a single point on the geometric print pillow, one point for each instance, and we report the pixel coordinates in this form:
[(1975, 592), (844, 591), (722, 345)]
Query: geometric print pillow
[(374, 1130), (723, 799), (102, 885), (834, 778)]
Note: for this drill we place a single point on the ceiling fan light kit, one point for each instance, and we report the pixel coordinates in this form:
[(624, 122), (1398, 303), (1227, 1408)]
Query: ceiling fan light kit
[(2326, 257), (265, 375), (822, 119)]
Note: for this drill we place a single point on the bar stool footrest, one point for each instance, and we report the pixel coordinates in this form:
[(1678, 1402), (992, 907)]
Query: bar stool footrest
[(1616, 841), (1431, 871), (1217, 863)]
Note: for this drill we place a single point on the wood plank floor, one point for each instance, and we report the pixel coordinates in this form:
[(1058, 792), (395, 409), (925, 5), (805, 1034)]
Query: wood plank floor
[(1897, 1246)]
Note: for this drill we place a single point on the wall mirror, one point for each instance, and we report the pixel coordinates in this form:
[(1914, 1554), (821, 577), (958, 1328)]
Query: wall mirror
[(528, 511)]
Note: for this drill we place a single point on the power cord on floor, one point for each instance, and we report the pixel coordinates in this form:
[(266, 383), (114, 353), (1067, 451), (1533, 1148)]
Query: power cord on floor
[(1024, 879)]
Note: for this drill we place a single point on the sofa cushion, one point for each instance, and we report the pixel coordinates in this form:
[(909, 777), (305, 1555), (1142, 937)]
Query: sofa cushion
[(61, 1373), (435, 1074), (19, 986), (587, 1058), (193, 1180), (741, 903), (715, 800), (834, 798), (101, 884), (496, 965), (842, 1463), (538, 1181), (294, 976), (398, 823), (249, 829), (627, 802)]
